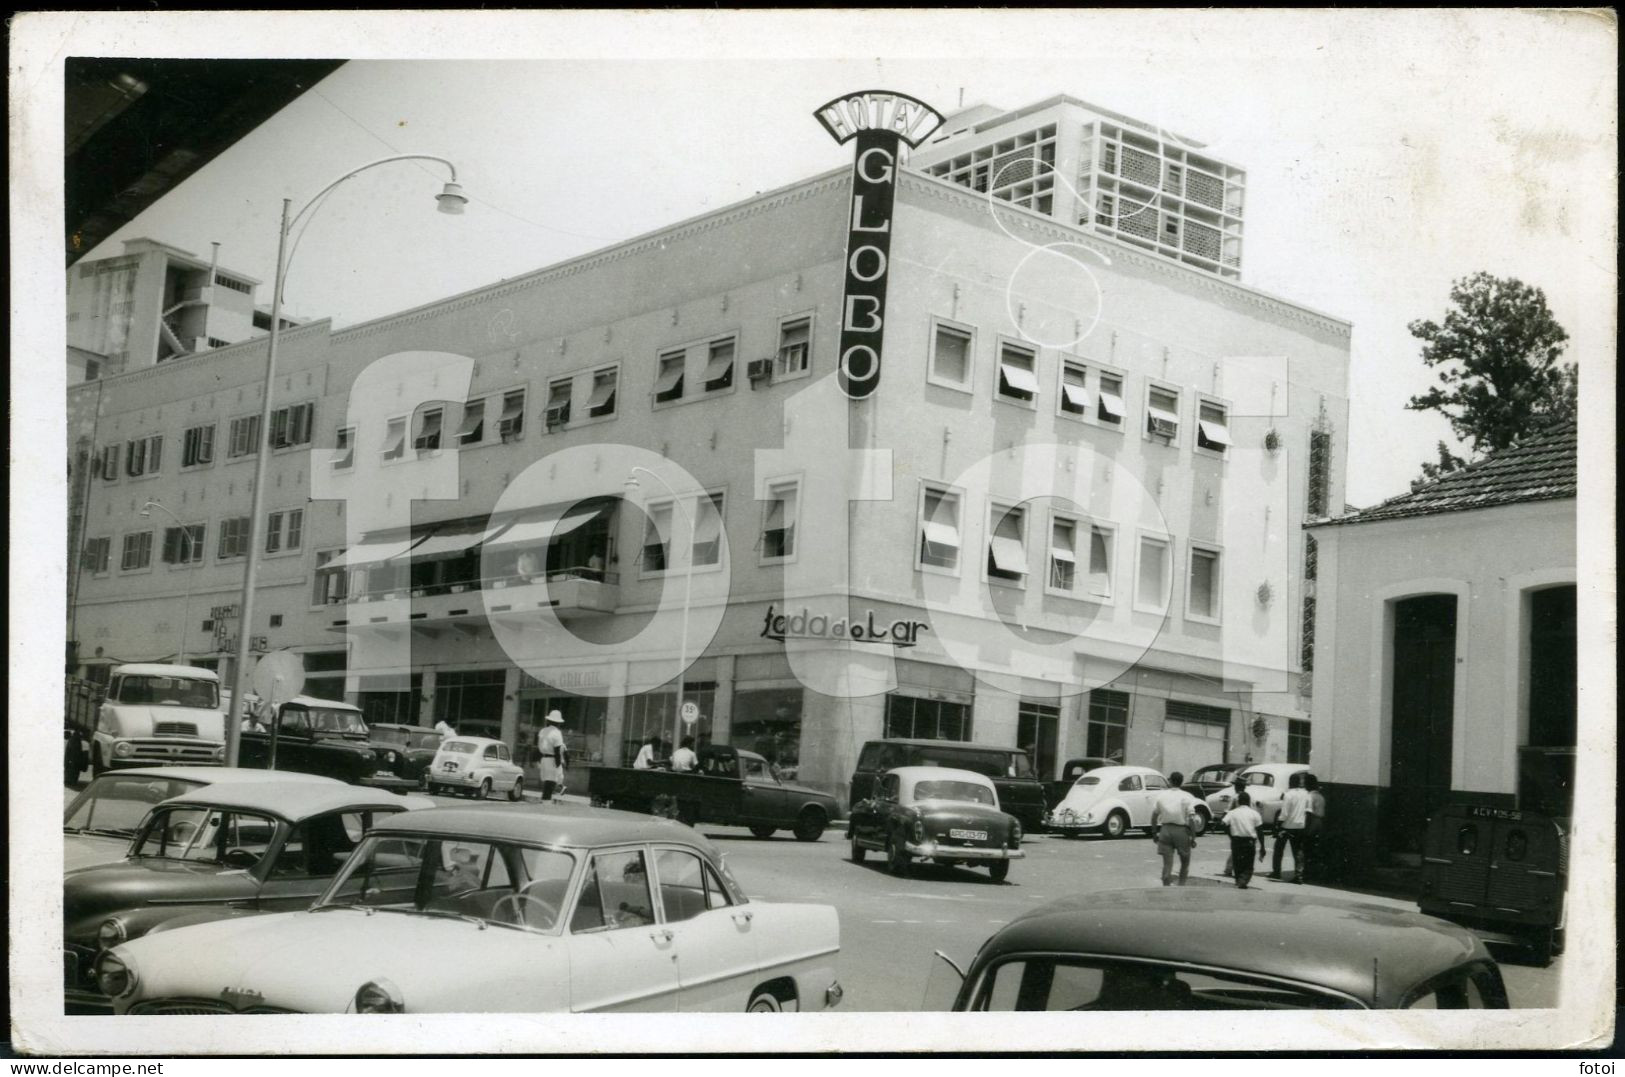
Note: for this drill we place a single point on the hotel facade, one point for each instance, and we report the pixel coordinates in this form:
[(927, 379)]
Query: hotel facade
[(1068, 520)]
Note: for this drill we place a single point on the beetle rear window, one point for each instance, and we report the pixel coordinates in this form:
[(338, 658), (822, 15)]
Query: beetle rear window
[(1088, 779)]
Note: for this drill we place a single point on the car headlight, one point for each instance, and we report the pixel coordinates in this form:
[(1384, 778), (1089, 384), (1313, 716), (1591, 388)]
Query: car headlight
[(114, 977), (918, 830), (111, 932), (1015, 832), (219, 754), (379, 996), (123, 748)]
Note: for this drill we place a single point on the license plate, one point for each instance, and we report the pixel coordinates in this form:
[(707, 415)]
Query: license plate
[(968, 835), (448, 766)]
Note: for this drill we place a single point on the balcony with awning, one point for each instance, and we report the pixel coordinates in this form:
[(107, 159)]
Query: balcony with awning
[(457, 572)]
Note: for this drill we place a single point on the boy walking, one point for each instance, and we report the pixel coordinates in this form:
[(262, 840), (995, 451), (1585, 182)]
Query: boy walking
[(1243, 822)]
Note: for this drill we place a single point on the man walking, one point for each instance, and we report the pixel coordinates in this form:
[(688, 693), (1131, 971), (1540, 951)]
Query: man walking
[(1238, 790), (1314, 824), (1172, 815), (1290, 826), (550, 745), (1243, 822)]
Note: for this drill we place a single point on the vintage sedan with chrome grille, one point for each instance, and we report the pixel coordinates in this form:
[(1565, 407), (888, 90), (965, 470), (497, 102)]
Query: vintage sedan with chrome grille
[(224, 851), (939, 814), (1224, 949), (506, 910)]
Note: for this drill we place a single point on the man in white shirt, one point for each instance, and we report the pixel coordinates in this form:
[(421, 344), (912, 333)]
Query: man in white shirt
[(1291, 822), (444, 728), (1171, 814), (550, 749), (1243, 822), (646, 755), (684, 758)]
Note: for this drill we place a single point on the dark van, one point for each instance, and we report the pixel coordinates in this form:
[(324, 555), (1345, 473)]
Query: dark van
[(1020, 792)]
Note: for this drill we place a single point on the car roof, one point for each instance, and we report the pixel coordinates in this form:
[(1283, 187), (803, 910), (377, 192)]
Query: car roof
[(575, 826), (295, 800), (1276, 768), (223, 775), (921, 742), (158, 669), (482, 741), (1345, 945), (1120, 771), (910, 775)]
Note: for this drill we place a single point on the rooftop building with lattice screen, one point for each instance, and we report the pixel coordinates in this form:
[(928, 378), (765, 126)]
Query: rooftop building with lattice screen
[(1124, 178)]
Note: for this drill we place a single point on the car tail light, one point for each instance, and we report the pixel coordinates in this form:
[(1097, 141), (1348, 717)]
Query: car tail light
[(1015, 832), (918, 831)]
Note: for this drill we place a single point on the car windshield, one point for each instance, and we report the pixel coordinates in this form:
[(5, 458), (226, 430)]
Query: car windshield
[(968, 792), (1259, 777), (1084, 983), (473, 879), (167, 691), (461, 747), (337, 721), (208, 835), (115, 804)]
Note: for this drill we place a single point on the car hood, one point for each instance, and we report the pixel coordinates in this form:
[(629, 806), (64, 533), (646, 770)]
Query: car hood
[(89, 894), (88, 850), (137, 719), (313, 962)]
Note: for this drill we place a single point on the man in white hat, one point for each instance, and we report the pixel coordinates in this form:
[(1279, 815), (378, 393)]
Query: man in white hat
[(550, 745)]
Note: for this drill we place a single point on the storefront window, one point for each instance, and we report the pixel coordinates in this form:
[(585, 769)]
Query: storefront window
[(583, 727), (768, 722), (380, 701), (471, 700), (655, 714), (1108, 724), (926, 719)]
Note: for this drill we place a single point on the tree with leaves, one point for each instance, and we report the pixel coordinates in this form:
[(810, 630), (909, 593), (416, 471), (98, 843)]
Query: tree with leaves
[(1497, 358)]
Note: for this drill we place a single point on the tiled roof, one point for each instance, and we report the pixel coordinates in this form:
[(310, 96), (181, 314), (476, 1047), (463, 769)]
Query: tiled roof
[(1540, 468)]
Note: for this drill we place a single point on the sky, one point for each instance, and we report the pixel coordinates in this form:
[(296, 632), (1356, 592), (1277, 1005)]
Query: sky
[(1387, 153)]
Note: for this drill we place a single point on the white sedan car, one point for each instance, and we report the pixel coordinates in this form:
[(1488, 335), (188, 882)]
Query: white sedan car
[(1109, 801), (476, 766), (1266, 785), (500, 910)]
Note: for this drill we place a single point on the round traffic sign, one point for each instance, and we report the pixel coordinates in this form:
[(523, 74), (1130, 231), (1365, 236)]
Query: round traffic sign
[(690, 712), (279, 677)]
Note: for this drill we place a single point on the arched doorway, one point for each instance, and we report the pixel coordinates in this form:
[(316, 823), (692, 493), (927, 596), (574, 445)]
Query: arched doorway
[(1424, 697)]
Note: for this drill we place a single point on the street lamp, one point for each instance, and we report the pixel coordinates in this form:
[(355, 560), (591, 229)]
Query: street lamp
[(451, 200), (688, 592), (186, 555)]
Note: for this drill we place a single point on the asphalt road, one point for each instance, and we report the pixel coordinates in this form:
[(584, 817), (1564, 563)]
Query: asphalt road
[(890, 926)]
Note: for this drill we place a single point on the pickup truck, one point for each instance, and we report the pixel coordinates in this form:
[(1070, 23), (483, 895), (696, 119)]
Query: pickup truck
[(153, 715), (1055, 792), (323, 736), (731, 788)]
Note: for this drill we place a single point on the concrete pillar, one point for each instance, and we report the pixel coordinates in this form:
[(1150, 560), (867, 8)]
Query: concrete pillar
[(722, 710)]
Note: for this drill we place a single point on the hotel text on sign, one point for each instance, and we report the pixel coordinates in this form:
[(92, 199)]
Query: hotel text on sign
[(880, 122)]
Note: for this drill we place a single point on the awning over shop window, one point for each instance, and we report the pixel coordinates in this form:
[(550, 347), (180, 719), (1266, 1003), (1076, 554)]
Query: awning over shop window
[(377, 548), (541, 525)]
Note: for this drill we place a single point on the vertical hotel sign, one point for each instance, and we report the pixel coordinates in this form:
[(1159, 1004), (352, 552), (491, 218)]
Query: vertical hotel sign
[(881, 122)]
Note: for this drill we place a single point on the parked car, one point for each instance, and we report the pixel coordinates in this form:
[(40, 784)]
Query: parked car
[(1020, 791), (228, 850), (1226, 949), (475, 766), (1204, 782), (156, 715), (732, 787), (1109, 801), (414, 747), (946, 816), (498, 909), (1501, 871), (323, 736), (101, 821), (1070, 773), (1266, 785)]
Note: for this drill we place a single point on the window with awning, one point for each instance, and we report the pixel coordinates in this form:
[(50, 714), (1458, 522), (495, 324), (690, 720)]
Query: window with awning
[(1212, 427), (719, 367), (1063, 554), (1162, 413), (472, 432), (669, 383), (779, 528), (1007, 552), (1111, 408), (602, 400), (1074, 393), (1017, 379), (939, 529), (395, 439), (512, 421), (378, 547), (708, 530), (657, 538), (1100, 562), (428, 435)]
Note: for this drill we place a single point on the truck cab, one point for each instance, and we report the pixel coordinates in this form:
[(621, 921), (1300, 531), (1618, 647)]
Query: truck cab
[(155, 714)]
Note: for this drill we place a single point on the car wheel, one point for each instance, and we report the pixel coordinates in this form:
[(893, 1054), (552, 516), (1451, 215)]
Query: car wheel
[(763, 832), (518, 790), (485, 788), (999, 869), (858, 851), (1116, 824), (764, 1002), (810, 824), (1200, 826), (896, 859)]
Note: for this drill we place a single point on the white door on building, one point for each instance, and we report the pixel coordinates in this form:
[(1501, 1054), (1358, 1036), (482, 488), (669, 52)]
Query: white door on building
[(1187, 745)]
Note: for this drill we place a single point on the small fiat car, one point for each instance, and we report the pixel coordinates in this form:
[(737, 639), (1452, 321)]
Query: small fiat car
[(474, 766), (938, 814), (1225, 949), (501, 910), (1109, 801), (225, 851), (1266, 785)]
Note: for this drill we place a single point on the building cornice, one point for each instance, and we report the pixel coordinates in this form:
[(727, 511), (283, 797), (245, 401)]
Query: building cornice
[(1040, 224), (230, 351)]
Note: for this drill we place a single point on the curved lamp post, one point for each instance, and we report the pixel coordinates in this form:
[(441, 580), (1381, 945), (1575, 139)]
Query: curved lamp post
[(451, 200), (186, 604), (688, 591)]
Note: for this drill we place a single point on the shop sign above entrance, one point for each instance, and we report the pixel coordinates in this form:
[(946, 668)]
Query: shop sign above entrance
[(881, 122), (807, 625)]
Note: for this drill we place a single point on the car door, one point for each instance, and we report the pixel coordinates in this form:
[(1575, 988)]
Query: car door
[(621, 958), (311, 855), (765, 800), (878, 808), (717, 957), (1131, 793)]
